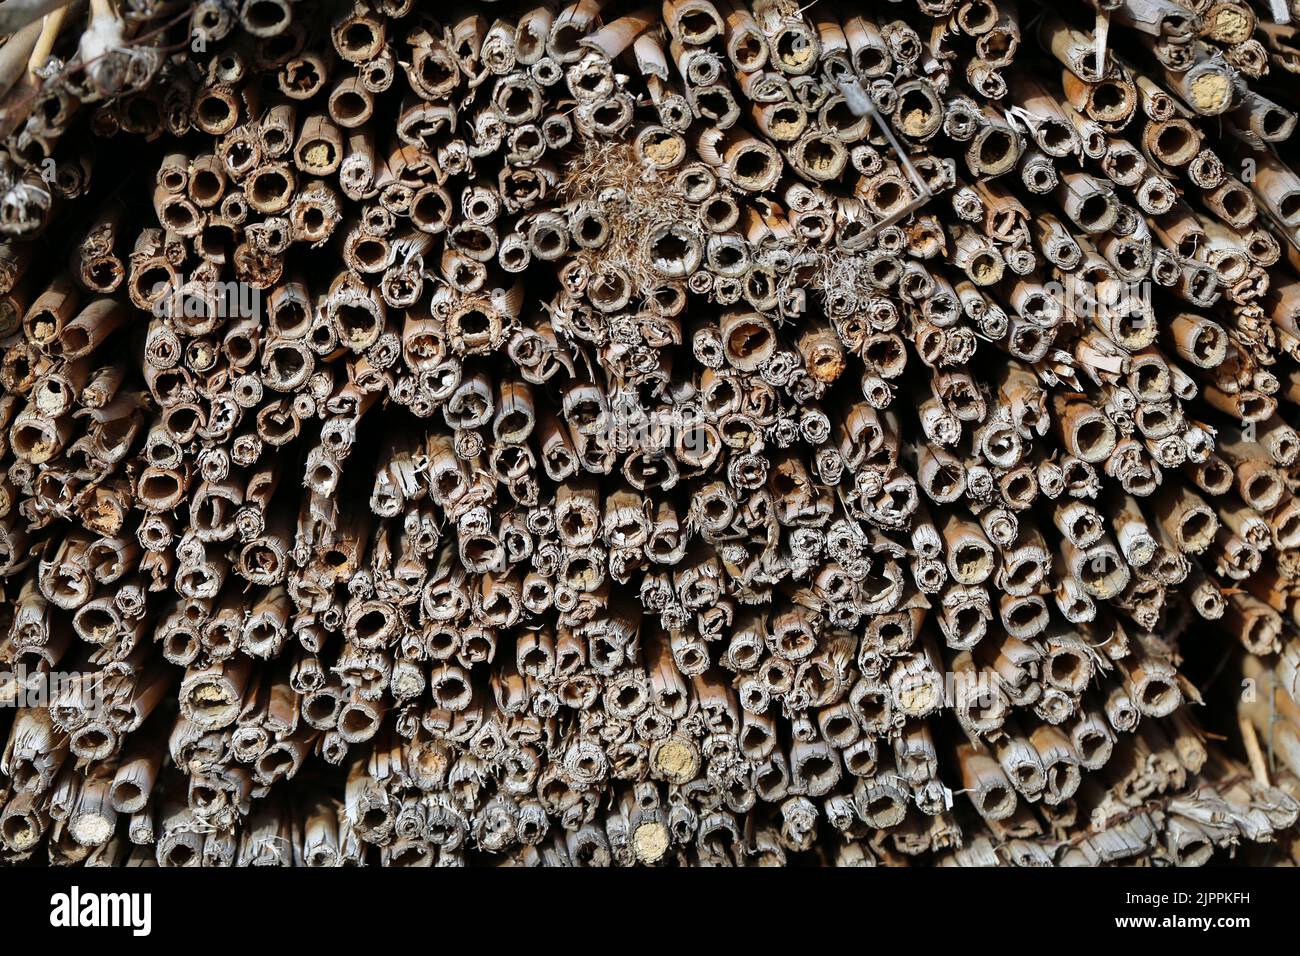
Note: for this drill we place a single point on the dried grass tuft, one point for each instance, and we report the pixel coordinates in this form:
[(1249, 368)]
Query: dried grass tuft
[(634, 199)]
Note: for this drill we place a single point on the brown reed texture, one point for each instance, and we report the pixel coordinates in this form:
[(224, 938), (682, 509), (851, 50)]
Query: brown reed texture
[(700, 433)]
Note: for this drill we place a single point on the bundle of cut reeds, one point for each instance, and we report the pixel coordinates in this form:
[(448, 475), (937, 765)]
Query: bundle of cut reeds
[(697, 433)]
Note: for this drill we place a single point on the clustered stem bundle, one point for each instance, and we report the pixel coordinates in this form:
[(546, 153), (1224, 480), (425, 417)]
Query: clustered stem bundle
[(708, 432)]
